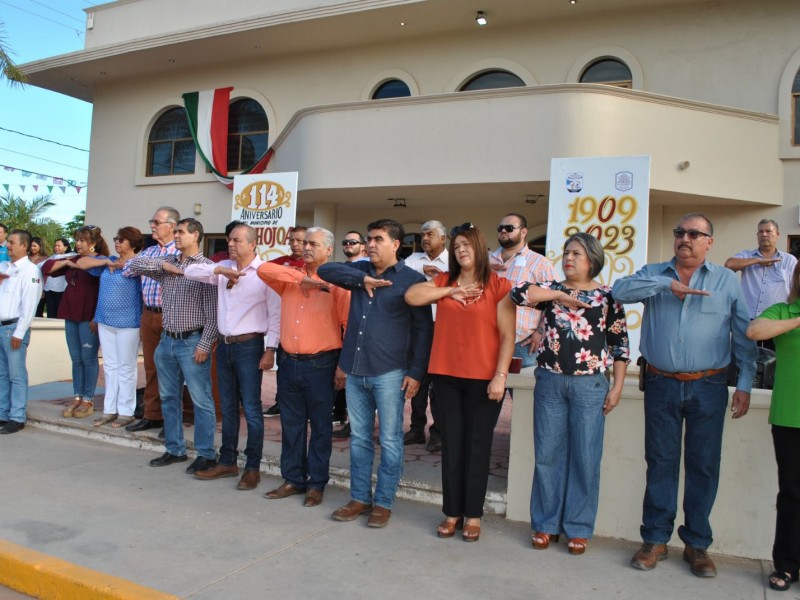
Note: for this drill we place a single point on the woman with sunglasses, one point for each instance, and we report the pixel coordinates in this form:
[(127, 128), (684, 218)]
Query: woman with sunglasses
[(584, 336), (118, 315), (473, 342), (77, 308)]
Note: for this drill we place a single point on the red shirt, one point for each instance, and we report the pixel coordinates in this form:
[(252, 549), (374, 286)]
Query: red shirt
[(288, 261), (79, 301)]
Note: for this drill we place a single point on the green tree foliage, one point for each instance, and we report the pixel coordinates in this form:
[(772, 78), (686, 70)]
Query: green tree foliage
[(8, 70), (17, 213), (76, 223)]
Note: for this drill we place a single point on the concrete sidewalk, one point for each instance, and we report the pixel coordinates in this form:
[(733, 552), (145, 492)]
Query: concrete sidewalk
[(101, 507)]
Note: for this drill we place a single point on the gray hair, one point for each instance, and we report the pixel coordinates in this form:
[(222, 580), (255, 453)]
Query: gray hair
[(173, 216), (327, 237), (437, 225), (697, 215), (593, 248), (769, 222), (250, 234)]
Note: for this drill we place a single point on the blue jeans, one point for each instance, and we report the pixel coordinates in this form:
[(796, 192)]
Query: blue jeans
[(568, 426), (13, 376), (83, 346), (307, 393), (528, 360), (175, 365), (365, 394), (238, 376), (668, 404)]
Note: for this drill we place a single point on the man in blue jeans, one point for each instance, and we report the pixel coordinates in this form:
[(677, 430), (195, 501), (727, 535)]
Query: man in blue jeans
[(247, 313), (190, 329), (694, 319), (384, 357)]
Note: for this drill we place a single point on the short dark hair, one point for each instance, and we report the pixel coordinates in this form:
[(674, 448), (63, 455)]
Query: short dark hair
[(522, 220), (697, 215), (358, 233), (4, 227), (391, 227), (193, 226), (296, 228), (134, 237), (231, 226), (24, 236), (66, 243)]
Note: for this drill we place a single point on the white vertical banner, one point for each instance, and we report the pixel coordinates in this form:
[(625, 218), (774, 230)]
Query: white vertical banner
[(609, 198), (268, 203)]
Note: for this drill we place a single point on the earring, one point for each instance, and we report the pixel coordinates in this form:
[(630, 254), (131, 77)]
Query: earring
[(91, 249)]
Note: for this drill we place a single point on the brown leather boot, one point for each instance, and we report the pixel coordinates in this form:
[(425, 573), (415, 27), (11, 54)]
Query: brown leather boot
[(648, 556)]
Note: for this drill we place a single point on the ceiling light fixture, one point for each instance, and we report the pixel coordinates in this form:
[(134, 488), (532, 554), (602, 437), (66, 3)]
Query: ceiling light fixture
[(480, 18), (573, 2), (398, 202), (533, 198)]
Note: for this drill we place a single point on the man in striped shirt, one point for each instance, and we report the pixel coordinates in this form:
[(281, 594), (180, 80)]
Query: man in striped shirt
[(162, 226)]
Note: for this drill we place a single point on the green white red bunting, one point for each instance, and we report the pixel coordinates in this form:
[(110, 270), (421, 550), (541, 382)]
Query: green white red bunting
[(61, 183)]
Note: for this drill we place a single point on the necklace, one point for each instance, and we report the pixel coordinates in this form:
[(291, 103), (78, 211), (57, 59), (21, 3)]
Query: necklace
[(473, 299)]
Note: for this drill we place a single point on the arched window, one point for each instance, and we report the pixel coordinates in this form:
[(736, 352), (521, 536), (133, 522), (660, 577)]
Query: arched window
[(393, 88), (170, 149), (609, 71), (248, 133), (489, 80), (796, 110)]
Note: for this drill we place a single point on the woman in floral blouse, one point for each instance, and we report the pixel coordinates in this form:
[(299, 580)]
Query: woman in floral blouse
[(584, 335)]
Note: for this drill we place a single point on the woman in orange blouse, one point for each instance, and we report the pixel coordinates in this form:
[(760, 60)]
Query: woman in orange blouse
[(473, 341)]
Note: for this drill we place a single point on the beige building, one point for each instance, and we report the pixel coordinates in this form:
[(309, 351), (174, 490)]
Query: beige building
[(707, 89)]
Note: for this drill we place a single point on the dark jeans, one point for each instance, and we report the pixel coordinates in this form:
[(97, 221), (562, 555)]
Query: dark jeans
[(467, 419), (239, 380), (307, 393), (52, 301), (419, 408), (668, 405), (786, 549)]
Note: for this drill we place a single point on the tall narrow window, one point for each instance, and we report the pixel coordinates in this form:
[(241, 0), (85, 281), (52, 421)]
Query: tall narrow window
[(489, 80), (393, 88), (248, 133), (796, 110), (170, 149), (608, 71)]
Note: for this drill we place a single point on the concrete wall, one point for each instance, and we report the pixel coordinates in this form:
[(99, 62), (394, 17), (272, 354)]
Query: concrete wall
[(48, 357)]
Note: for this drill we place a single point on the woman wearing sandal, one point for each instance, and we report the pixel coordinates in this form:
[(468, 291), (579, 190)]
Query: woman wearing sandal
[(77, 308), (473, 313), (782, 322), (584, 336), (119, 311)]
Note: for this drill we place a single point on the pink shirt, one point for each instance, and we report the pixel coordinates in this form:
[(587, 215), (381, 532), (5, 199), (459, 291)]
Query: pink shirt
[(248, 307)]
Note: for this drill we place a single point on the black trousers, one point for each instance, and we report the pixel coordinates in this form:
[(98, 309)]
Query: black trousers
[(419, 408), (52, 301), (786, 549), (467, 419)]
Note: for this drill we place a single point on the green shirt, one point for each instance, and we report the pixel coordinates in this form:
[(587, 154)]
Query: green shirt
[(785, 407)]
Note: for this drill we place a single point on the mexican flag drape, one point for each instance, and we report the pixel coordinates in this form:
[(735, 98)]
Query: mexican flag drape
[(207, 112)]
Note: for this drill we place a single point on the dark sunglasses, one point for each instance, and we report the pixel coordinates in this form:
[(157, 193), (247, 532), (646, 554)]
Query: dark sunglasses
[(461, 228), (507, 228), (351, 243), (118, 239), (692, 233)]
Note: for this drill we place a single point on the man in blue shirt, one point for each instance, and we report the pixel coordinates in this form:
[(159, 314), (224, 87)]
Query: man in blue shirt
[(384, 357), (3, 242), (694, 319)]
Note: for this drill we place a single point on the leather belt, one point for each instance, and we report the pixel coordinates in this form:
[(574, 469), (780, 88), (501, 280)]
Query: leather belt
[(182, 335), (238, 339), (693, 376), (155, 309), (301, 357), (9, 322)]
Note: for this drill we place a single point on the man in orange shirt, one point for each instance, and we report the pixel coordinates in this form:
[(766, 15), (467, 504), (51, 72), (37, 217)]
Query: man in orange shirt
[(313, 316)]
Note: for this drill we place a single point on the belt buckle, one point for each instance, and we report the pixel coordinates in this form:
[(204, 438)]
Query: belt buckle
[(227, 339)]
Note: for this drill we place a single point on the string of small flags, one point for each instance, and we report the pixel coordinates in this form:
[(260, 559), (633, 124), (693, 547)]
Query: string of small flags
[(62, 183)]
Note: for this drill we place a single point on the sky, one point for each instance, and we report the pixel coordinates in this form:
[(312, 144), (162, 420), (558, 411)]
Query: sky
[(36, 29)]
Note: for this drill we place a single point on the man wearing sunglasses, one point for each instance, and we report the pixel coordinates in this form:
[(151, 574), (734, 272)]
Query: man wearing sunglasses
[(694, 319), (766, 272), (518, 263), (354, 247)]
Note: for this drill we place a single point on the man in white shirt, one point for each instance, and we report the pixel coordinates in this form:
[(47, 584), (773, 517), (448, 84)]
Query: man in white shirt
[(431, 262), (20, 290)]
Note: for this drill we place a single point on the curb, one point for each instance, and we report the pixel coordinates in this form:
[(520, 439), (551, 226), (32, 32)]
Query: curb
[(49, 578)]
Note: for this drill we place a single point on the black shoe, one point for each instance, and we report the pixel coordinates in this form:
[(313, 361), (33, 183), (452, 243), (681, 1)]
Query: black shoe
[(200, 463), (3, 423), (12, 427), (340, 418), (414, 437), (145, 424), (273, 411), (167, 459), (342, 433), (161, 434), (434, 442)]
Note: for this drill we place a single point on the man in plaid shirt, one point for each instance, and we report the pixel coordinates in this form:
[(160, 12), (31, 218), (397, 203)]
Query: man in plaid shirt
[(518, 263), (162, 226), (190, 329)]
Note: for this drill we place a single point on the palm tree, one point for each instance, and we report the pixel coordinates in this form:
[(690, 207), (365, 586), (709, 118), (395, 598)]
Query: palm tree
[(17, 213), (8, 69)]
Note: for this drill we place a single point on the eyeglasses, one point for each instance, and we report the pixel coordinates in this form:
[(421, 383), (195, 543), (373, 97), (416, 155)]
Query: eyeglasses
[(461, 229), (692, 233), (351, 242), (507, 228), (155, 223), (118, 239)]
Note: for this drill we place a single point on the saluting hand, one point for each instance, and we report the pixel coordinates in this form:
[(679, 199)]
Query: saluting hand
[(171, 268), (370, 284), (309, 283), (681, 290)]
